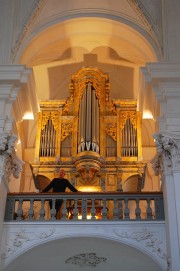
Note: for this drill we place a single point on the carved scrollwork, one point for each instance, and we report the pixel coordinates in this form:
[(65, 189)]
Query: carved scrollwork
[(17, 241), (55, 119), (45, 118), (68, 107), (168, 152), (10, 163), (111, 130), (53, 115), (149, 239), (124, 115), (111, 108), (66, 130), (86, 260)]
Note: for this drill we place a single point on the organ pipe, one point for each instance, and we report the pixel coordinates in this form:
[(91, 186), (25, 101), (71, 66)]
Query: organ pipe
[(88, 137)]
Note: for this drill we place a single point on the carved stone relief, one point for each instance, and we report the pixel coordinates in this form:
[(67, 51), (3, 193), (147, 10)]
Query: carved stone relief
[(18, 240), (168, 153), (9, 162), (148, 239), (86, 260)]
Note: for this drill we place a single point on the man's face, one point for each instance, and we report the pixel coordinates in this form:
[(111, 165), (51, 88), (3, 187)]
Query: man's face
[(61, 174)]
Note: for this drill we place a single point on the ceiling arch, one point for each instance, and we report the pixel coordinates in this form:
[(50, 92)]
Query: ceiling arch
[(71, 254), (88, 34)]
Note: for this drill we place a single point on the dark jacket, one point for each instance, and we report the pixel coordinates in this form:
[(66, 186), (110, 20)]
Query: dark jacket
[(59, 185)]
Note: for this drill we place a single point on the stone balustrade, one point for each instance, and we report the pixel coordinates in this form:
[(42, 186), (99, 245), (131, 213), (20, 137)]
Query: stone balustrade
[(82, 206)]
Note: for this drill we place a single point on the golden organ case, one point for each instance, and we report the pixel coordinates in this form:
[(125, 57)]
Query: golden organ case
[(96, 140)]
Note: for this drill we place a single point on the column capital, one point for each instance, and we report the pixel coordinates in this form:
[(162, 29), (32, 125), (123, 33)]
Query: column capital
[(9, 162), (168, 153)]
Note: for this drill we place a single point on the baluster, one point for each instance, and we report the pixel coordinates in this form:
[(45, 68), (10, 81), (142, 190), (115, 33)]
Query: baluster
[(149, 210), (31, 210), (19, 211), (53, 210), (104, 210), (75, 211), (84, 209), (115, 211), (126, 210), (93, 210), (120, 209), (10, 210), (157, 208), (137, 210), (41, 211), (64, 210)]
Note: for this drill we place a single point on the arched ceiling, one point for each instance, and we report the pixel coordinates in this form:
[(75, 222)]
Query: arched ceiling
[(61, 50), (71, 254)]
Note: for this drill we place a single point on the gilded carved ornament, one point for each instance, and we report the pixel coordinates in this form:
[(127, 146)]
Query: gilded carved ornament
[(98, 86), (66, 130), (68, 107), (111, 108), (53, 115), (78, 85), (168, 153), (111, 130), (124, 115)]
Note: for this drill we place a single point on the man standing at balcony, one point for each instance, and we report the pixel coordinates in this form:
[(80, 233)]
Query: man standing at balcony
[(59, 185)]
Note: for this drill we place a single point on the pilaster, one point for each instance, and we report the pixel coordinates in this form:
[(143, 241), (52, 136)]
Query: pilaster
[(9, 164), (167, 163)]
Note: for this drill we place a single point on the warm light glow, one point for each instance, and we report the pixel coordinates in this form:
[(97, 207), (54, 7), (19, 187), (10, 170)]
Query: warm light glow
[(88, 217), (90, 189), (28, 116), (147, 114), (18, 142)]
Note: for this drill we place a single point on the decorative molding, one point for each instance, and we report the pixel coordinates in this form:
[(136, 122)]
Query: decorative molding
[(86, 260), (31, 18), (20, 238), (146, 20), (9, 162), (168, 152), (147, 238)]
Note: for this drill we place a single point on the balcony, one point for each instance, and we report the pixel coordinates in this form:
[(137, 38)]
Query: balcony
[(135, 220), (116, 206)]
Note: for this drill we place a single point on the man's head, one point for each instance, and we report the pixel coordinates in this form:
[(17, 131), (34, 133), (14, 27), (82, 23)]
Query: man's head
[(61, 173)]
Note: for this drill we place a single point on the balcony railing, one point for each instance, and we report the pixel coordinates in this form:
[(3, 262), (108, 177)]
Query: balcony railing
[(85, 206)]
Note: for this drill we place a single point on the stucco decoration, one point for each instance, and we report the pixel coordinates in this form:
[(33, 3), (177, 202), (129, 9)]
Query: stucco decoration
[(148, 239), (86, 260), (168, 153), (18, 239), (9, 162)]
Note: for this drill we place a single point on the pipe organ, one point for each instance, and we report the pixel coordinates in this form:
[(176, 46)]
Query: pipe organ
[(95, 139), (88, 128)]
